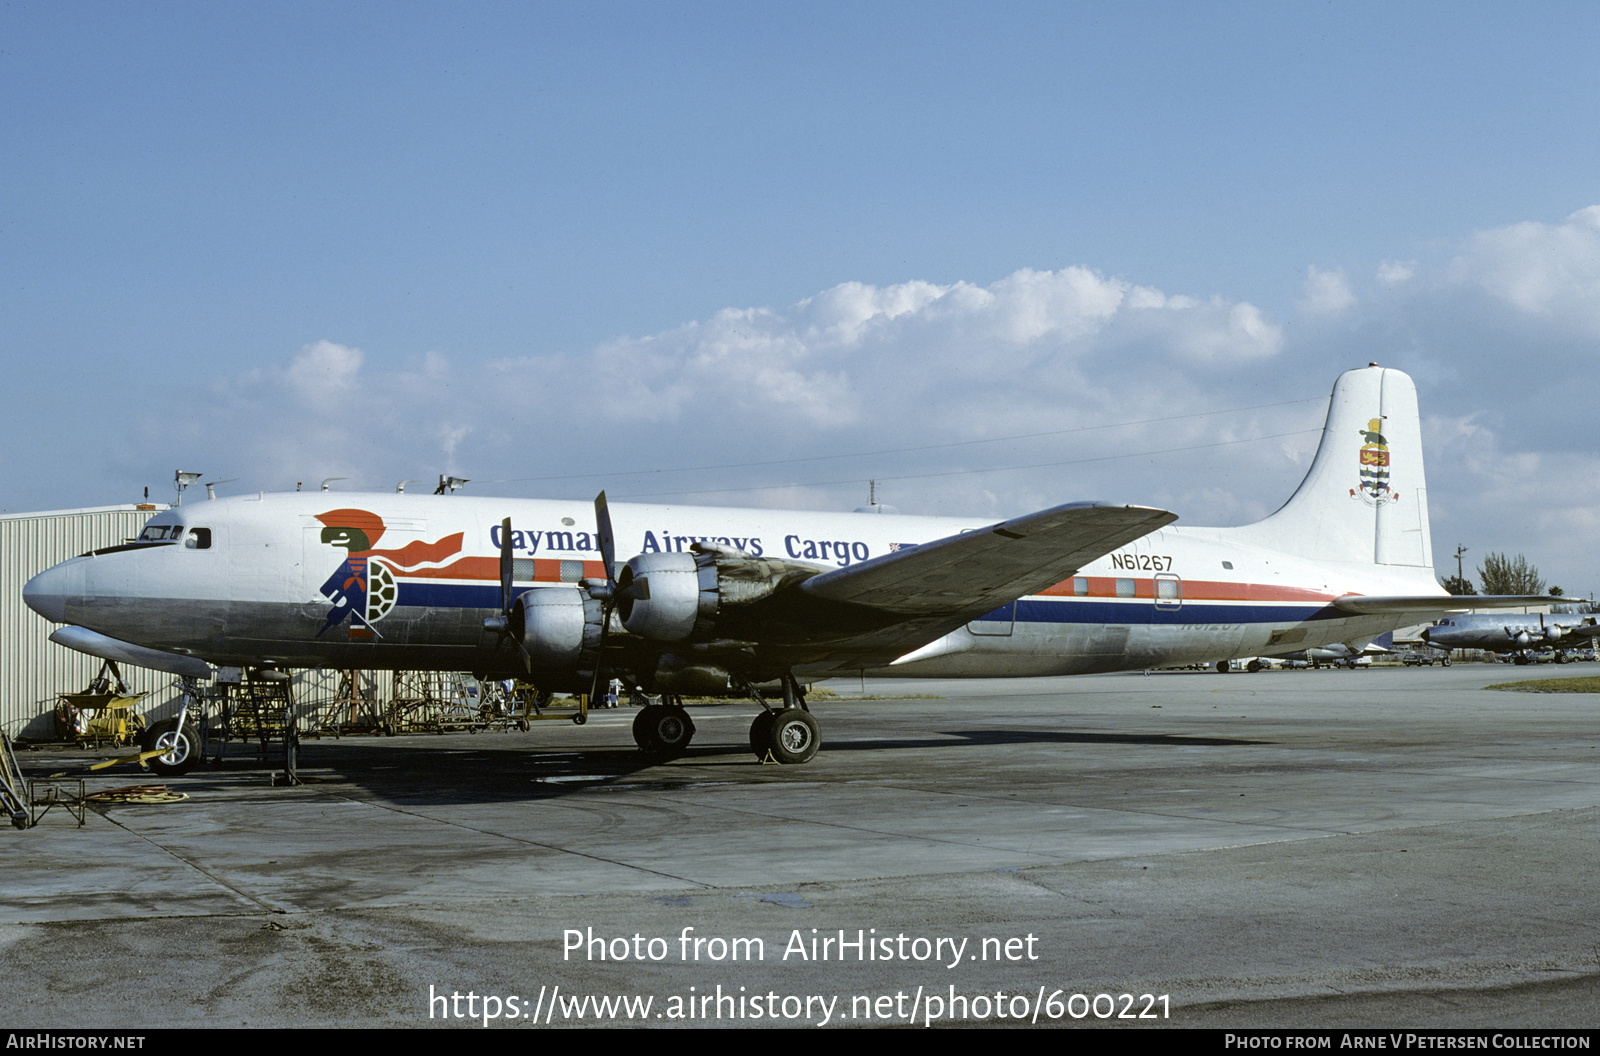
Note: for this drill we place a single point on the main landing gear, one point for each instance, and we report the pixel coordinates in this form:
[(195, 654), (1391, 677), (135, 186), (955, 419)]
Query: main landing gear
[(789, 734), (664, 730), (784, 735)]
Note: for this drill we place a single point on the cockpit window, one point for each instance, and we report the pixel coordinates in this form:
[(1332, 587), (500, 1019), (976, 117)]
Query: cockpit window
[(199, 539), (161, 533)]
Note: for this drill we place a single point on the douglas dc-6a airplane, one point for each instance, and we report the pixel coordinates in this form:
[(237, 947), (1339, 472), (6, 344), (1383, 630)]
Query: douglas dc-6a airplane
[(1517, 633), (745, 597)]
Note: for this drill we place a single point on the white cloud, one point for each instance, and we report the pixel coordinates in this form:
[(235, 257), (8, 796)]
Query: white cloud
[(1325, 292), (854, 368), (1500, 341), (1394, 272), (1551, 271), (324, 370)]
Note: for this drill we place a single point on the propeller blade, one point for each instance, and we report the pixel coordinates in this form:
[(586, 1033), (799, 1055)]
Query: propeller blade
[(507, 624), (608, 554), (506, 565), (608, 542)]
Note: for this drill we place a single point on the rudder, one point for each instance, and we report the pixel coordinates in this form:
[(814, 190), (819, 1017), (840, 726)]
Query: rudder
[(1365, 499)]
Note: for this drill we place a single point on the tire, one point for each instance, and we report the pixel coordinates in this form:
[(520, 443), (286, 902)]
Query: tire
[(794, 737), (641, 727), (761, 733), (185, 747), (1445, 661), (1222, 667), (1253, 666), (663, 730)]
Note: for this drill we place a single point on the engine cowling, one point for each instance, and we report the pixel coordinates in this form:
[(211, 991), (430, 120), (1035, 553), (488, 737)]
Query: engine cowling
[(664, 596), (557, 626), (679, 596)]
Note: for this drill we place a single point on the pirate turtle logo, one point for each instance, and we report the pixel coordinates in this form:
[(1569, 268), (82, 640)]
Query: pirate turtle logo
[(366, 586), (1374, 481)]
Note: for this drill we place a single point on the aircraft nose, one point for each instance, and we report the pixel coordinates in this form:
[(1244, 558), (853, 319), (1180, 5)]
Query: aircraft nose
[(49, 591)]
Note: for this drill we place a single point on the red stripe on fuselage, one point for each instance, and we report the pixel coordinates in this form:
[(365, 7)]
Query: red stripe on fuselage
[(1193, 590), (545, 570)]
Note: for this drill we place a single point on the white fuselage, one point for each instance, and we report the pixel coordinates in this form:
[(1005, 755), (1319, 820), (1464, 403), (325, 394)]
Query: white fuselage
[(269, 579)]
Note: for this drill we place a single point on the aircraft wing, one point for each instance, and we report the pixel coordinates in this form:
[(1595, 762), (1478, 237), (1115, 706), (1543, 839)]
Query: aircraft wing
[(978, 571), (1423, 604), (905, 599)]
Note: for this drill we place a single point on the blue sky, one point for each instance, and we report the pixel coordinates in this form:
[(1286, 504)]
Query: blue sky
[(282, 242)]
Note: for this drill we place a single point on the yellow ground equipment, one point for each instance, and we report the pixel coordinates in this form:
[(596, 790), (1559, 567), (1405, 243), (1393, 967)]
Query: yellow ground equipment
[(103, 714)]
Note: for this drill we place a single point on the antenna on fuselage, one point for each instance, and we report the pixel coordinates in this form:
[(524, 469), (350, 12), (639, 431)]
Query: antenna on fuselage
[(183, 479), (873, 505), (447, 485), (330, 480), (400, 488), (211, 488)]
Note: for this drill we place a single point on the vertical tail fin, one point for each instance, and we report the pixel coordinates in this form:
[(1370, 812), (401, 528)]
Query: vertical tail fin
[(1365, 499)]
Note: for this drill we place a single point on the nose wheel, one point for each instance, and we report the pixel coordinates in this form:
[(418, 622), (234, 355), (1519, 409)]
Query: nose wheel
[(182, 748)]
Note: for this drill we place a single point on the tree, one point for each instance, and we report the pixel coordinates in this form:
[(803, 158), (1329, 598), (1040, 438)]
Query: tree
[(1457, 585), (1500, 574)]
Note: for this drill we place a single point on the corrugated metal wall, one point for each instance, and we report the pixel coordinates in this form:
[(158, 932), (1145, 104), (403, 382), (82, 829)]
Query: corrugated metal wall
[(32, 669)]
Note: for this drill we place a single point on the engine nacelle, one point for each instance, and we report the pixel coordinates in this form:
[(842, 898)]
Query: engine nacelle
[(664, 596), (673, 597), (557, 626), (676, 674)]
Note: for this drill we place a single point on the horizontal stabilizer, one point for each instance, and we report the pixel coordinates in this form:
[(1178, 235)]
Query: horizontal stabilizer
[(1423, 604)]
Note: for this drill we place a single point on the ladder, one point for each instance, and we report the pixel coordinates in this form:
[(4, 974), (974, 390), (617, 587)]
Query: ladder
[(11, 785), (257, 714)]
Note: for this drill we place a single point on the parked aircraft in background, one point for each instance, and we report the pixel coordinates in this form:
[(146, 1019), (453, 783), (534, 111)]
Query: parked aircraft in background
[(718, 597), (1337, 654), (1522, 634)]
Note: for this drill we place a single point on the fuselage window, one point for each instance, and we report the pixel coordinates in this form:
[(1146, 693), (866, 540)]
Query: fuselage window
[(1228, 565), (1080, 586), (199, 539), (1124, 588)]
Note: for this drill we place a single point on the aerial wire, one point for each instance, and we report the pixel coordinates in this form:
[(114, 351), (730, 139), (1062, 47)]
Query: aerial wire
[(910, 450)]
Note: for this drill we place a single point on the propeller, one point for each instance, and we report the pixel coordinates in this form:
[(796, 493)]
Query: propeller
[(605, 593), (505, 624)]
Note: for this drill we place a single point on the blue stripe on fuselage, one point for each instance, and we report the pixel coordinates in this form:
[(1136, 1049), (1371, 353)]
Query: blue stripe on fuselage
[(445, 595), (439, 595)]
